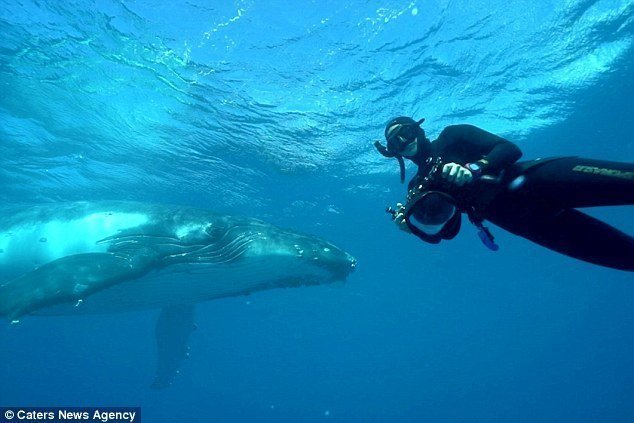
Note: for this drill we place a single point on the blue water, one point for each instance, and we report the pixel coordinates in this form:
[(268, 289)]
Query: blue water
[(269, 109)]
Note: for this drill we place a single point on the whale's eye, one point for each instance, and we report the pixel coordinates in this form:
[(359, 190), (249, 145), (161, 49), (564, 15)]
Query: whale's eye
[(214, 231)]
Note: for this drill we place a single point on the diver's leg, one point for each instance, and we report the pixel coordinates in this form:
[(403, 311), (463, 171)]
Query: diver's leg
[(573, 182), (578, 235)]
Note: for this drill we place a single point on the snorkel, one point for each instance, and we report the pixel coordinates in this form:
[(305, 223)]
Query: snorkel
[(386, 153)]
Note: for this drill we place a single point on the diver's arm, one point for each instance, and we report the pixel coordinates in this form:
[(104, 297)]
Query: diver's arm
[(496, 152)]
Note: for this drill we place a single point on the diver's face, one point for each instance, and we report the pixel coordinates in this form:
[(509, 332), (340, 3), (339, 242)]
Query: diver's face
[(410, 149), (402, 140)]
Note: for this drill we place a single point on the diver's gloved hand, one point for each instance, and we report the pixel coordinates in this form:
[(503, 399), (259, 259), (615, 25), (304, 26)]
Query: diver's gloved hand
[(456, 174), (399, 218)]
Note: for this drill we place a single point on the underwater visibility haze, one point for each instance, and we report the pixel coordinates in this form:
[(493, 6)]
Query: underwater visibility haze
[(268, 110)]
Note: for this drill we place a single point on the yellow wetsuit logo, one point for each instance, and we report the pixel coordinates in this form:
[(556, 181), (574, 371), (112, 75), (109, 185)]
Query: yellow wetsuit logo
[(604, 172)]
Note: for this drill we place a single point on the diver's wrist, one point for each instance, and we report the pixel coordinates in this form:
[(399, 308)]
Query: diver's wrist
[(475, 168)]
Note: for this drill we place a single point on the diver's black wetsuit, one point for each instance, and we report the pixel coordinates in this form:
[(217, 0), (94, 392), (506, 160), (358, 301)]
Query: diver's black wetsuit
[(537, 199)]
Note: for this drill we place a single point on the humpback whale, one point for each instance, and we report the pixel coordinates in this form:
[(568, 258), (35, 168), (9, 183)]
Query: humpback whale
[(108, 257)]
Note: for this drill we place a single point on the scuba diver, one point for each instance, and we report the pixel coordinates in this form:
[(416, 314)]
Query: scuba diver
[(468, 170)]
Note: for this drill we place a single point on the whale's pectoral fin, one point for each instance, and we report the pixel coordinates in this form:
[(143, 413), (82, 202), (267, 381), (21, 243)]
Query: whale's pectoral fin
[(68, 280), (174, 325)]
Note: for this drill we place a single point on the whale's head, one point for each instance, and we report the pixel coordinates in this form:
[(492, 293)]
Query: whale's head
[(316, 260), (258, 251)]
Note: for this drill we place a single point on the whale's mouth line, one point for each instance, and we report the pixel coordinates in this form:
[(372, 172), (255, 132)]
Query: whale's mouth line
[(228, 247), (133, 238), (214, 253)]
